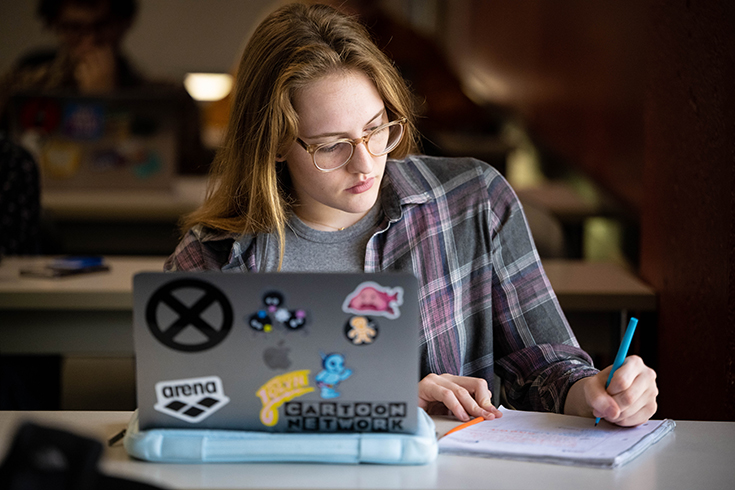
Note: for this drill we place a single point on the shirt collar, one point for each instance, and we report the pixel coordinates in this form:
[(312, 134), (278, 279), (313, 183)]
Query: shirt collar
[(401, 187)]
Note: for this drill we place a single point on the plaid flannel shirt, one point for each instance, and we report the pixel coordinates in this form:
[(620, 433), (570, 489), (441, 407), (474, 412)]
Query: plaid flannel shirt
[(487, 307)]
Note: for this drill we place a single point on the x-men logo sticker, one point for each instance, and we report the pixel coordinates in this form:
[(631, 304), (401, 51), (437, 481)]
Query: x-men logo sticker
[(191, 400), (210, 303)]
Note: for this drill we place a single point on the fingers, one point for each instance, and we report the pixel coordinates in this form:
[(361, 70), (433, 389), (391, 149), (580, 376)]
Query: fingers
[(597, 397), (630, 398), (637, 395), (465, 397)]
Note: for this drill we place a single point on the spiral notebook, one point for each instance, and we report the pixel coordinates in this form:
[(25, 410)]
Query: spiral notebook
[(555, 438)]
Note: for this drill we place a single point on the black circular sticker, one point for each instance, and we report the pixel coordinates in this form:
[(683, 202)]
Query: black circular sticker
[(361, 330), (189, 315)]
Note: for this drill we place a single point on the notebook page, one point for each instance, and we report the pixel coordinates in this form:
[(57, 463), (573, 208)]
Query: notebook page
[(555, 438)]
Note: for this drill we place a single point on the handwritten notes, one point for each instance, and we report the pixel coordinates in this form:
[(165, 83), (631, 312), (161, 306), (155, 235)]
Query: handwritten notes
[(555, 438)]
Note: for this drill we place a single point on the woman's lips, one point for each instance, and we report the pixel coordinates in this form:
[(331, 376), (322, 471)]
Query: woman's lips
[(362, 186)]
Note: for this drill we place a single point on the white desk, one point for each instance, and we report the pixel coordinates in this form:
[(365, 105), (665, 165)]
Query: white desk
[(92, 313), (88, 313), (698, 455)]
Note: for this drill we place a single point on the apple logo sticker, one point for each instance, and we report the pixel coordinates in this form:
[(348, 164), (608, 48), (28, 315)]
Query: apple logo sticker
[(277, 357)]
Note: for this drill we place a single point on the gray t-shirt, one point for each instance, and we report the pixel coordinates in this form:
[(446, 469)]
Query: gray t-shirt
[(310, 250)]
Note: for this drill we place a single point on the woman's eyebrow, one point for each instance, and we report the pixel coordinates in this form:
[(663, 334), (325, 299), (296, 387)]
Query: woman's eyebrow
[(324, 135)]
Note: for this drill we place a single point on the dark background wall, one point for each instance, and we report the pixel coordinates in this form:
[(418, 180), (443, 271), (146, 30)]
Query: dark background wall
[(639, 95), (575, 71), (688, 214)]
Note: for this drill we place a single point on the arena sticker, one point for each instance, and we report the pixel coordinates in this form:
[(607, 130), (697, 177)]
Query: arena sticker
[(371, 297), (191, 400)]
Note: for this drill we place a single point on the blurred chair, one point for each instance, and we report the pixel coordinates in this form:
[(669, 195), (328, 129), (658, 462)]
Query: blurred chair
[(26, 382), (546, 230), (20, 205)]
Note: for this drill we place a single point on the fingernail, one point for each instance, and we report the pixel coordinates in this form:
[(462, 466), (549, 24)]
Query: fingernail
[(486, 403)]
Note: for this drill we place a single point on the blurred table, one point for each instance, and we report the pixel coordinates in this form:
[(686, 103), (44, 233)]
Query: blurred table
[(696, 455), (121, 221), (93, 312), (86, 313)]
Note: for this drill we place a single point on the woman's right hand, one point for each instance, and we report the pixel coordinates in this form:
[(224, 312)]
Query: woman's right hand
[(463, 396)]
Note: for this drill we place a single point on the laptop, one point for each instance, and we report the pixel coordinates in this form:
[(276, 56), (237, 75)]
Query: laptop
[(277, 352), (124, 140)]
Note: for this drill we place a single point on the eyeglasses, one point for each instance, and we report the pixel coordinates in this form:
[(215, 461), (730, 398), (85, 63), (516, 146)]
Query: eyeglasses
[(380, 141)]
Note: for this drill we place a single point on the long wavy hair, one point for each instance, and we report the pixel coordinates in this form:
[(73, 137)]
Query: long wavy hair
[(297, 44)]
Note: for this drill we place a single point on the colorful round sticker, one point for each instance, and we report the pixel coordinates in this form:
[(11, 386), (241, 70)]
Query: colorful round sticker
[(361, 330)]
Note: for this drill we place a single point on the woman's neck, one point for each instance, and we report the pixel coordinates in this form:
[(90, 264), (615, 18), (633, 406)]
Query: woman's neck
[(334, 222)]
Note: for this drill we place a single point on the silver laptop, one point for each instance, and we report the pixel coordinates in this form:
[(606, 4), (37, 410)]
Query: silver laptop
[(280, 352), (123, 140)]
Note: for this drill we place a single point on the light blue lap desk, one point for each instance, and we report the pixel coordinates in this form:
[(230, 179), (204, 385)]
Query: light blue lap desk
[(698, 455)]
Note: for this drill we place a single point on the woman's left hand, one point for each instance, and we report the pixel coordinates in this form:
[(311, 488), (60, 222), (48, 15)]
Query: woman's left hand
[(465, 397), (629, 400)]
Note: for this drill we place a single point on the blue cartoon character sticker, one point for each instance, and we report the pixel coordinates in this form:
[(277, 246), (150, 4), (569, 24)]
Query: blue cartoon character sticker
[(333, 372), (370, 297)]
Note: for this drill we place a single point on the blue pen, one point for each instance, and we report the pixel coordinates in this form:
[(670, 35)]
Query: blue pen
[(622, 352)]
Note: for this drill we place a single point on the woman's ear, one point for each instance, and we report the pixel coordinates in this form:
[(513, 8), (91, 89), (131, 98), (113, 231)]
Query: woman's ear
[(280, 158)]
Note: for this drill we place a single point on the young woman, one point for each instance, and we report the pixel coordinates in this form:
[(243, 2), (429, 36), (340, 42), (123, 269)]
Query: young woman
[(304, 183)]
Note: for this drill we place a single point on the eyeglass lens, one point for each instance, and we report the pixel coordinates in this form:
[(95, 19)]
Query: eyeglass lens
[(379, 143)]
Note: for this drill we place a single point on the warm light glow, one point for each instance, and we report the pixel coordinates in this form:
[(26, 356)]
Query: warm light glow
[(208, 86)]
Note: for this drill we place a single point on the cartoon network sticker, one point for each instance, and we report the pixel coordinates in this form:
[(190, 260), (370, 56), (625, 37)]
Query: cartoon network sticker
[(191, 400), (371, 297), (279, 390)]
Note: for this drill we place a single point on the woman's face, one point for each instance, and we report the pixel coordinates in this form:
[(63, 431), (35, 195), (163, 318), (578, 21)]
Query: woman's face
[(341, 105)]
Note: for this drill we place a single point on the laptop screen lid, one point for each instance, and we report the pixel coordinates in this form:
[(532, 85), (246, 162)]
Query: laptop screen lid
[(279, 352), (122, 140)]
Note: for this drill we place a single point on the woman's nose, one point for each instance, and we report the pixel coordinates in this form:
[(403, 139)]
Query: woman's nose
[(362, 161)]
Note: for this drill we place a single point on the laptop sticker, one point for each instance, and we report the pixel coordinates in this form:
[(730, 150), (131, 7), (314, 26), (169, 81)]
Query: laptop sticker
[(83, 121), (276, 357), (371, 297), (275, 312), (361, 330), (345, 417), (189, 315), (40, 114), (279, 390), (260, 321), (333, 372), (107, 159), (61, 159), (150, 165), (191, 400)]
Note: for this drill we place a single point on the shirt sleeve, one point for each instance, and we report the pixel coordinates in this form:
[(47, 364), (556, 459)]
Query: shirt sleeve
[(537, 356), (200, 251)]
